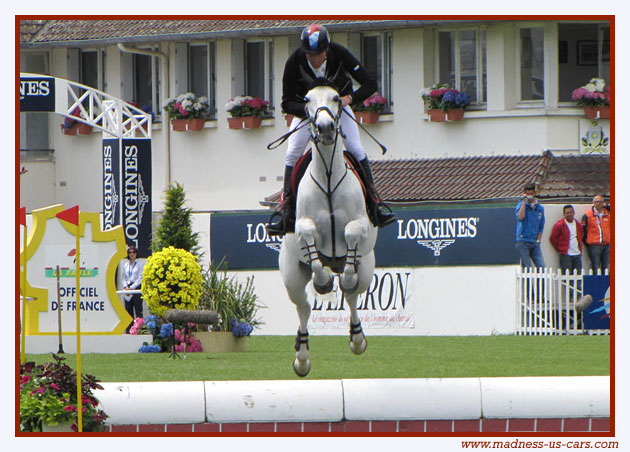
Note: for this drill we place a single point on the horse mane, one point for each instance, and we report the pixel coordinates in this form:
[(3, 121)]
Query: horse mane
[(323, 81)]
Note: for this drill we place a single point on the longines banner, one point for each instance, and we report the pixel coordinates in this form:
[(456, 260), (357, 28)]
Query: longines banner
[(37, 94), (420, 237), (127, 189)]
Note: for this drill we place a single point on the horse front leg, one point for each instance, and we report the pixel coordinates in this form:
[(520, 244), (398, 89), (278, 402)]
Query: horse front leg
[(306, 232), (295, 277), (356, 231)]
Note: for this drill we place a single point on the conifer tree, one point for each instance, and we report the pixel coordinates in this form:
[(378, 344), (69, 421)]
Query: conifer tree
[(175, 227)]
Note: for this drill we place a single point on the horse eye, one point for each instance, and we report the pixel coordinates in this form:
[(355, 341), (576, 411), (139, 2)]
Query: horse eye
[(336, 98)]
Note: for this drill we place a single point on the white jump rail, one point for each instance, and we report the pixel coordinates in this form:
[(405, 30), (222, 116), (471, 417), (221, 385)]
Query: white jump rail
[(354, 399)]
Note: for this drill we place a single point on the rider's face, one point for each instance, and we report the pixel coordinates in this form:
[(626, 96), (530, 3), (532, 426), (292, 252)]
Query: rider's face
[(317, 59)]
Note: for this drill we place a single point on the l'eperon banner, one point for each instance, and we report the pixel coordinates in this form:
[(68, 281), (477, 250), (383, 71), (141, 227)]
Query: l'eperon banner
[(51, 252)]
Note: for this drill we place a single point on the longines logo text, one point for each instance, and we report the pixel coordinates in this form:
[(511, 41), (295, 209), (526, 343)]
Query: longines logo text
[(437, 233), (135, 197), (34, 88), (110, 197), (258, 234)]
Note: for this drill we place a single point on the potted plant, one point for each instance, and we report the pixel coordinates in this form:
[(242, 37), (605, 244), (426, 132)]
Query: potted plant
[(187, 111), (246, 112), (48, 399), (444, 103), (369, 110), (236, 304), (595, 98), (171, 279)]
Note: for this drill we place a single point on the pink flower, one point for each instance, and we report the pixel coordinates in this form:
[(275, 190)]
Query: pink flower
[(133, 330), (55, 387), (40, 391), (139, 323), (69, 408), (25, 379)]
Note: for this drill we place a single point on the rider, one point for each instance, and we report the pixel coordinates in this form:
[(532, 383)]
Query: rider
[(318, 57)]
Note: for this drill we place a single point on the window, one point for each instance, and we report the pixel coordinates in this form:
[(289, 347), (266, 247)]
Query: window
[(87, 67), (374, 50), (532, 64), (34, 125), (196, 65), (252, 64), (462, 62), (583, 53), (376, 57), (140, 81)]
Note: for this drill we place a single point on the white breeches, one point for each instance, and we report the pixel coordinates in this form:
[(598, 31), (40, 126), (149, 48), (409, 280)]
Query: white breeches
[(297, 142)]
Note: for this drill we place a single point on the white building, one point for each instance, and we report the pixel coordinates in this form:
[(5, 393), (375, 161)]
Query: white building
[(519, 74)]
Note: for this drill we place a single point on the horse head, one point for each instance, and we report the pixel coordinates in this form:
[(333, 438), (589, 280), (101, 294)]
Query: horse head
[(323, 109)]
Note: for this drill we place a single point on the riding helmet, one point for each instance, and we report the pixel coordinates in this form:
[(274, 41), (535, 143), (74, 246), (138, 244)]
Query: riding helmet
[(314, 39)]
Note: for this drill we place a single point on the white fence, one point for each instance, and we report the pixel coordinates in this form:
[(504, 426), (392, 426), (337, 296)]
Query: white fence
[(547, 302)]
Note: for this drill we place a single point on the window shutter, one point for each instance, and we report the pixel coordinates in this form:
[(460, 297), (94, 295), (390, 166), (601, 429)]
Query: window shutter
[(238, 67), (181, 68)]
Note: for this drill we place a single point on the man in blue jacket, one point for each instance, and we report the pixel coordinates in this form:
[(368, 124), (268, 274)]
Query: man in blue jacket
[(530, 222)]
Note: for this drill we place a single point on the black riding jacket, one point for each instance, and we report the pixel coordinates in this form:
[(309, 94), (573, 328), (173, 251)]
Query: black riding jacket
[(295, 85)]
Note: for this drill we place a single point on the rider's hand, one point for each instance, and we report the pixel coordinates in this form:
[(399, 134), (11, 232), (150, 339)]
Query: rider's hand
[(346, 100)]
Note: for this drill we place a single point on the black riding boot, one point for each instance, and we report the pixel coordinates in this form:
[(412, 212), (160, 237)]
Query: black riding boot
[(377, 215), (282, 220)]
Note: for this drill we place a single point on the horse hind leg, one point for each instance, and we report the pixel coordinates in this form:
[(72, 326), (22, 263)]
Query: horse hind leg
[(302, 364), (358, 343)]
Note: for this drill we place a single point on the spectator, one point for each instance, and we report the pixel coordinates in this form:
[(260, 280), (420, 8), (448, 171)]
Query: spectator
[(132, 279), (530, 223), (566, 238), (596, 224)]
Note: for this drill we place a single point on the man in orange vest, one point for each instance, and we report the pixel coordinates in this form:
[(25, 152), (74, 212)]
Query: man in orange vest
[(596, 224)]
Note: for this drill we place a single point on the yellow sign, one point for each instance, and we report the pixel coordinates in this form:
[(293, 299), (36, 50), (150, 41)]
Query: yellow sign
[(51, 243)]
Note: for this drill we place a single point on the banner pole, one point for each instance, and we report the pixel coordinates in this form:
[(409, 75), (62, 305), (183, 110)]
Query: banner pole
[(23, 338), (78, 312), (59, 311)]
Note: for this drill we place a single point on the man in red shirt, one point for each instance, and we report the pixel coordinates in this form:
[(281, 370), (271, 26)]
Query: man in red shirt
[(566, 238)]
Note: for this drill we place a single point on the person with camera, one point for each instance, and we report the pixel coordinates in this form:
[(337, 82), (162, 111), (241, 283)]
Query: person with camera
[(530, 223)]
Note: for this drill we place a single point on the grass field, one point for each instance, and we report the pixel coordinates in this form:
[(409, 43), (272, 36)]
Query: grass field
[(271, 358)]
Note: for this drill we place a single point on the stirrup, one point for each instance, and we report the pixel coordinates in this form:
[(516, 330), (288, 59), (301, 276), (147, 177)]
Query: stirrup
[(276, 229), (382, 222)]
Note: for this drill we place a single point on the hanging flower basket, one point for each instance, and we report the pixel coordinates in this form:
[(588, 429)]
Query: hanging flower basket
[(179, 125), (244, 122), (597, 112), (195, 124), (367, 117)]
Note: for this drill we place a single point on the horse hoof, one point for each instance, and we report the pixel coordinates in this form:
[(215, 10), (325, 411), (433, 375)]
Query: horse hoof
[(325, 288), (302, 368), (358, 349)]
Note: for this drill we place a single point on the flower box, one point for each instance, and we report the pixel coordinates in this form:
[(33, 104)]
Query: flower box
[(244, 122), (455, 114), (367, 117), (219, 341), (84, 129), (179, 125), (595, 112), (65, 426), (195, 124), (69, 130)]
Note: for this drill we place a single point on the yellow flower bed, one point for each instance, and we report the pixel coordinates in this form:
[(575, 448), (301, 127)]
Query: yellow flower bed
[(171, 280)]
